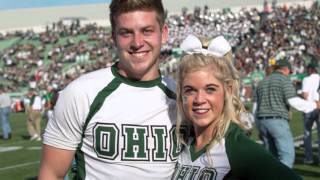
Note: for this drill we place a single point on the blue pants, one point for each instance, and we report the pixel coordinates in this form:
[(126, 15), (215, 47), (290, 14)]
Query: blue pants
[(6, 128), (309, 119), (277, 138)]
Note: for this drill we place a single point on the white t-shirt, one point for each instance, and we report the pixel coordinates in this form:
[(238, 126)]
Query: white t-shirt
[(5, 100), (129, 137), (37, 103), (310, 85)]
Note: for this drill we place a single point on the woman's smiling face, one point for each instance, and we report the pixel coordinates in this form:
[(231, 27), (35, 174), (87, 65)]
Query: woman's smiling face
[(203, 97)]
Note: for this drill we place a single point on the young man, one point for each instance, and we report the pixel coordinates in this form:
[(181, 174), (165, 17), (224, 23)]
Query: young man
[(119, 120)]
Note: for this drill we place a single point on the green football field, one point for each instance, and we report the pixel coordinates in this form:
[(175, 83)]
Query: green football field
[(20, 157)]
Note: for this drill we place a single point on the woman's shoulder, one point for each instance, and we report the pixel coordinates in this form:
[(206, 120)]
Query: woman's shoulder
[(234, 130), (250, 160)]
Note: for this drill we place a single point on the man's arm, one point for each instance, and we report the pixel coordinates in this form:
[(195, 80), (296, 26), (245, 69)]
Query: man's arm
[(54, 163), (305, 95), (303, 105)]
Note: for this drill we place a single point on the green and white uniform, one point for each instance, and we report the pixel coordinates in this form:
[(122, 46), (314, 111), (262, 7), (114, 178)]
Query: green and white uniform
[(121, 129), (235, 157)]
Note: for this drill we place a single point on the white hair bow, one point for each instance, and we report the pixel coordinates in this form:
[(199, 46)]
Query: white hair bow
[(218, 46)]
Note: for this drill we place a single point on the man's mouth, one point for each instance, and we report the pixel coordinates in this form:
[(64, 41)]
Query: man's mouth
[(139, 54)]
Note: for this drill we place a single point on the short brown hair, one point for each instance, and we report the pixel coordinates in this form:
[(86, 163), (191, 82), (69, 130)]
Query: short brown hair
[(123, 6)]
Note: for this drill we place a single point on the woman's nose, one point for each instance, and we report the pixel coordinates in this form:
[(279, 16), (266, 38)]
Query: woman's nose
[(199, 98)]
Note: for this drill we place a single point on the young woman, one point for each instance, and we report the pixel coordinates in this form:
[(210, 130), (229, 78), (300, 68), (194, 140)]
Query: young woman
[(216, 147)]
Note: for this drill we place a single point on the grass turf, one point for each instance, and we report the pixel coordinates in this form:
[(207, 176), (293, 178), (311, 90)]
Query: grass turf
[(23, 163)]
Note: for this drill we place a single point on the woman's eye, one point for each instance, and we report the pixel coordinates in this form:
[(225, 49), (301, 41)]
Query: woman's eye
[(211, 90), (188, 91)]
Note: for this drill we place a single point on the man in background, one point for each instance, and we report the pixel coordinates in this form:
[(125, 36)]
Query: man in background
[(50, 99), (310, 87), (274, 96), (34, 115), (5, 109)]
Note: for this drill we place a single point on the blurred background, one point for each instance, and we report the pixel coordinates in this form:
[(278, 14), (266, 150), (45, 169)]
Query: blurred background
[(46, 44)]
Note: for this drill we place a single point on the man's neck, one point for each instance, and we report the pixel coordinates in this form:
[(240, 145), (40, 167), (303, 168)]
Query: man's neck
[(284, 71)]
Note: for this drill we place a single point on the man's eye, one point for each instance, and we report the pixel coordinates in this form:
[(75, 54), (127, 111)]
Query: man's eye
[(148, 31), (124, 33)]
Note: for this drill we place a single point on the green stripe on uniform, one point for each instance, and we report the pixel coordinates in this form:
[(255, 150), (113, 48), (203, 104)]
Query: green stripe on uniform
[(94, 108)]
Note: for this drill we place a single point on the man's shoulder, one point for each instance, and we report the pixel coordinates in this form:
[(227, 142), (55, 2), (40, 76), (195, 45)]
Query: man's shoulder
[(97, 74), (90, 81), (306, 79), (278, 75), (263, 82), (279, 78), (314, 76), (311, 79), (93, 77)]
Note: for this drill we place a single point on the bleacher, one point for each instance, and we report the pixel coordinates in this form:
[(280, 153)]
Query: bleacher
[(65, 51)]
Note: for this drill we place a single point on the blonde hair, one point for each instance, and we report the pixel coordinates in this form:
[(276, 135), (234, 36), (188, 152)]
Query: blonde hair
[(222, 68)]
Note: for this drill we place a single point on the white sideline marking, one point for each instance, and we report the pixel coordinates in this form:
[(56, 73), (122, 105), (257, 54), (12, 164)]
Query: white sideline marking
[(299, 137), (19, 165), (34, 148), (10, 148), (15, 148)]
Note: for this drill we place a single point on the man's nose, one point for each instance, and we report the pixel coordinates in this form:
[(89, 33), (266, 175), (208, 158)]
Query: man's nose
[(137, 41)]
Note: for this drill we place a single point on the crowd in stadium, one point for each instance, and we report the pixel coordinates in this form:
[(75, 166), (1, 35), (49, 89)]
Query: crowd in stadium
[(41, 58), (36, 66), (258, 37)]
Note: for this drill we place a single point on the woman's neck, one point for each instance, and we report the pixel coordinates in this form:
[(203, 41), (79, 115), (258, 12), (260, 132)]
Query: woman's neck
[(204, 136)]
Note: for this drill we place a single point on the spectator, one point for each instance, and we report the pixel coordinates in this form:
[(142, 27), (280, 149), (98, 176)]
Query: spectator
[(50, 100), (292, 30), (275, 94), (34, 115), (5, 109), (310, 87)]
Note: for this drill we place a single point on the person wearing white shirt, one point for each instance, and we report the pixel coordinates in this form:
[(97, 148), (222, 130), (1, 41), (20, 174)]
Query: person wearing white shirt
[(34, 115), (5, 109), (310, 86)]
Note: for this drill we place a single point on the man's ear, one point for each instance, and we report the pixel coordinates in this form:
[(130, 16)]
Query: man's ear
[(165, 33)]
